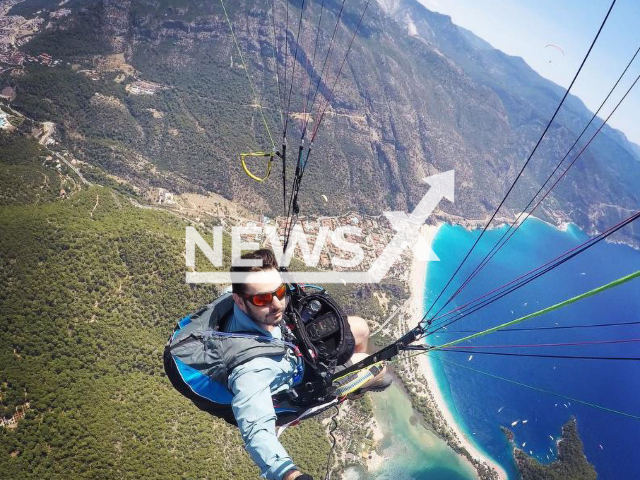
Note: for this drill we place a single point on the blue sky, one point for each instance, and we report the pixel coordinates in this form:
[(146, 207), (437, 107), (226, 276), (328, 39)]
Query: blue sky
[(525, 27)]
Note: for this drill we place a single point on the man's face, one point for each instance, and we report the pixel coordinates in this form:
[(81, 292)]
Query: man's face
[(259, 282)]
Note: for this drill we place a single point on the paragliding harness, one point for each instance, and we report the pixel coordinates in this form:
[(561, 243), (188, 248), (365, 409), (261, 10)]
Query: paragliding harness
[(324, 339), (200, 355)]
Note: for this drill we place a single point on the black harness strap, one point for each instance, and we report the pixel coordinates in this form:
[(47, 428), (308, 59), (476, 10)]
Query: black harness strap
[(385, 353)]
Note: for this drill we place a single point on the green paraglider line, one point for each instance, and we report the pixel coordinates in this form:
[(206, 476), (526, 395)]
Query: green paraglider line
[(538, 389), (246, 71), (551, 308), (430, 349)]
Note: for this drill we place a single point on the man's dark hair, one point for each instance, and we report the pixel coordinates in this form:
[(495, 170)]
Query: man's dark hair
[(269, 262)]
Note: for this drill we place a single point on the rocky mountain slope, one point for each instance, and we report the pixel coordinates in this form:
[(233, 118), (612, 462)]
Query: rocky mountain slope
[(418, 95)]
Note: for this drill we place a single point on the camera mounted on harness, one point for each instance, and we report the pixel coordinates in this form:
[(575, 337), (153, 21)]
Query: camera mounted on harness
[(323, 336)]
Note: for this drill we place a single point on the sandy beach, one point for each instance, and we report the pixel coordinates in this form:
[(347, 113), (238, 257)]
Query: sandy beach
[(417, 282), (375, 461)]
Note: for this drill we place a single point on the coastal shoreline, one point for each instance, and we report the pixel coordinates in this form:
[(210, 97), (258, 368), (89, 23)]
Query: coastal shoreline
[(417, 281)]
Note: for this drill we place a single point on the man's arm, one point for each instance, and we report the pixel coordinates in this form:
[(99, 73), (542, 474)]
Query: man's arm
[(253, 409)]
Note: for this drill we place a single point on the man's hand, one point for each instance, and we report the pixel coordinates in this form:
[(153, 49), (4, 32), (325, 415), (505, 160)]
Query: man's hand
[(290, 475)]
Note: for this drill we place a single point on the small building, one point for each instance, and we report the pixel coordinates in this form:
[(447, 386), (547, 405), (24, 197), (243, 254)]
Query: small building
[(16, 58), (165, 197), (44, 58)]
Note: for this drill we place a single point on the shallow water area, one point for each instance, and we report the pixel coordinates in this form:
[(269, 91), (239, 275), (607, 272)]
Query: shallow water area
[(411, 451)]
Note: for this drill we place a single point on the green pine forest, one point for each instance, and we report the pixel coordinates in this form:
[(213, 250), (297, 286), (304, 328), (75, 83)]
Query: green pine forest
[(87, 303), (90, 288), (571, 462)]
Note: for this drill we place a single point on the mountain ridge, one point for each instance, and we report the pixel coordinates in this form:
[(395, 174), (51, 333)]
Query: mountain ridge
[(427, 102)]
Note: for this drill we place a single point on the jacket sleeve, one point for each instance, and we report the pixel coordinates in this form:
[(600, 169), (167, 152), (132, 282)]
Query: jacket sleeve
[(253, 409)]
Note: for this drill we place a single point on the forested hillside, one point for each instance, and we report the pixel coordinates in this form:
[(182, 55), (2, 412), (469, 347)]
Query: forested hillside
[(90, 288), (87, 301), (570, 465), (418, 95)]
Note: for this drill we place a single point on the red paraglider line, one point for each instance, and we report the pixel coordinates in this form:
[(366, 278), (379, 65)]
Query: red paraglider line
[(600, 342)]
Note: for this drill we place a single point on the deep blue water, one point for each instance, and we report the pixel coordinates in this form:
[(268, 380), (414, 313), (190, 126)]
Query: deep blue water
[(476, 398)]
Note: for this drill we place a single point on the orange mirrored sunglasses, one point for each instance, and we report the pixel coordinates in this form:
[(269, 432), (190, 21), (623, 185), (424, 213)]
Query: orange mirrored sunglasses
[(265, 298)]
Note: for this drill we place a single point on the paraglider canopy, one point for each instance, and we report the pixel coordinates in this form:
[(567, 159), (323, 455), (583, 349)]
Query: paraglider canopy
[(324, 197), (554, 48)]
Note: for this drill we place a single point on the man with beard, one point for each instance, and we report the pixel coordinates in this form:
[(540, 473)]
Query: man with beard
[(259, 306)]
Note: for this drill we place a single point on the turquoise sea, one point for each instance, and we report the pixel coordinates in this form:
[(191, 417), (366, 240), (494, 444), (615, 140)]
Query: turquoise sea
[(410, 451), (483, 403)]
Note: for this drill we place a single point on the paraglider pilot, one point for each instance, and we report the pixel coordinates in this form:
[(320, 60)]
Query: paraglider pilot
[(259, 308)]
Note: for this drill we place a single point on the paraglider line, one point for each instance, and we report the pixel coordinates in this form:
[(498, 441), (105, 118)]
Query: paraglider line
[(535, 148), (526, 278), (324, 63), (331, 92), (497, 246), (305, 119), (277, 63), (557, 327), (293, 72), (535, 355), (538, 389), (563, 344), (557, 306), (246, 71)]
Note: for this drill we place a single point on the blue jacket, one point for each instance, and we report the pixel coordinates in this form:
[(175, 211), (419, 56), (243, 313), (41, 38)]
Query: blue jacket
[(252, 384)]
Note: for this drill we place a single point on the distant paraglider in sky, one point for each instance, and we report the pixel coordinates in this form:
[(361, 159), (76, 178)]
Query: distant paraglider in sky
[(324, 197), (555, 51)]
